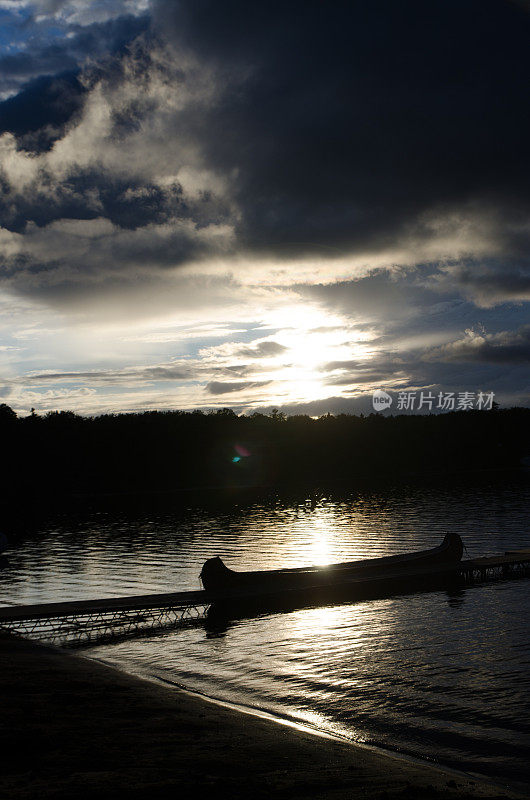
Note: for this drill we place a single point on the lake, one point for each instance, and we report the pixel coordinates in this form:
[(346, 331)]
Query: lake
[(443, 676)]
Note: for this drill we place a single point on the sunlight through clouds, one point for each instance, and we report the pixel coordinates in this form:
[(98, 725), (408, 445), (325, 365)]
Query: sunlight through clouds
[(192, 218)]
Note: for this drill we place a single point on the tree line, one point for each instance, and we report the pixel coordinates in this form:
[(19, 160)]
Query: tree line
[(62, 452)]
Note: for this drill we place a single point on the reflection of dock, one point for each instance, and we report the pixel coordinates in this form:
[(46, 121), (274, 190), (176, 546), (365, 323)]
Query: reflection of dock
[(85, 621)]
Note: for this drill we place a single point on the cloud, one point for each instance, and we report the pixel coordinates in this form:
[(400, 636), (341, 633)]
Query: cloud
[(220, 387), (38, 115), (382, 295), (87, 194), (212, 116), (382, 369), (80, 12), (111, 165), (177, 370), (421, 306), (488, 284), (39, 54), (71, 12), (326, 405), (138, 375), (505, 347), (264, 349), (349, 184), (398, 119)]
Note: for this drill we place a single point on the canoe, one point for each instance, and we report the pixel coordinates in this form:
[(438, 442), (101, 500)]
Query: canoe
[(219, 579)]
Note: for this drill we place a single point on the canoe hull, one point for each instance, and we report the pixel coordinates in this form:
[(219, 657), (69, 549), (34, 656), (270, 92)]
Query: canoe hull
[(217, 578)]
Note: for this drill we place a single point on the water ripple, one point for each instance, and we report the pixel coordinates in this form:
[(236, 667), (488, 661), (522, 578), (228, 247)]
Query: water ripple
[(443, 676)]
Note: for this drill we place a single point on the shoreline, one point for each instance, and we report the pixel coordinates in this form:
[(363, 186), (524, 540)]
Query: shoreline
[(384, 752), (304, 727), (73, 725)]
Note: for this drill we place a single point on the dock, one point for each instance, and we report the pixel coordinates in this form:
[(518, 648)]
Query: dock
[(87, 621), (95, 621)]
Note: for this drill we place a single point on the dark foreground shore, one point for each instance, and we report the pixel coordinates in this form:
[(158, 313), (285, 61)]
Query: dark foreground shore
[(73, 728)]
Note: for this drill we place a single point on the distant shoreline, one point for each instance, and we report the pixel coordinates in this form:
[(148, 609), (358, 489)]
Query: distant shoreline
[(60, 457), (359, 482), (30, 510)]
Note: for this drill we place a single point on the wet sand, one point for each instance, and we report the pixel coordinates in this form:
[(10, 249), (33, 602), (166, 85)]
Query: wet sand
[(73, 728)]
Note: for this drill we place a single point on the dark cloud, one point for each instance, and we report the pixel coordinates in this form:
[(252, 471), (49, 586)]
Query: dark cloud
[(42, 57), (323, 131), (53, 58), (382, 368), (380, 295), (39, 113), (161, 372), (234, 370), (51, 95), (262, 350), (491, 282), (419, 302), (91, 193), (474, 362), (506, 347), (344, 123), (386, 141), (138, 375), (360, 377), (361, 404), (220, 387)]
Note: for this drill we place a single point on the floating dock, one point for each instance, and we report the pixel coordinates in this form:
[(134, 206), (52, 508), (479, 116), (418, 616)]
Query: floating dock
[(96, 621)]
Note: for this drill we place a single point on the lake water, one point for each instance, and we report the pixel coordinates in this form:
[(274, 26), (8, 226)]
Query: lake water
[(442, 676)]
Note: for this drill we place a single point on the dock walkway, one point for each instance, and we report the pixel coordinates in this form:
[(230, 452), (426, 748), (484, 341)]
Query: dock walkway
[(104, 618)]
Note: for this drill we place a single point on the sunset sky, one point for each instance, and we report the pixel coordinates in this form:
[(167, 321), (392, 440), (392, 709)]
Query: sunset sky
[(213, 203)]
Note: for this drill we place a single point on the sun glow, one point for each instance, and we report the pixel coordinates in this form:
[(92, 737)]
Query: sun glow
[(312, 340)]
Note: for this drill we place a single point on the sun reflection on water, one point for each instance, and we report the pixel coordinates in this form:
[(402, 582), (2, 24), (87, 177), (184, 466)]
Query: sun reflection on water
[(424, 673), (325, 539)]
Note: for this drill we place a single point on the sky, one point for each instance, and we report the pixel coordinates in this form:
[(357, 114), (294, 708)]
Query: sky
[(217, 203)]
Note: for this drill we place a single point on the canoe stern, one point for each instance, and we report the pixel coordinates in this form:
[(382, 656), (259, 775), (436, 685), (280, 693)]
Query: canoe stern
[(215, 575)]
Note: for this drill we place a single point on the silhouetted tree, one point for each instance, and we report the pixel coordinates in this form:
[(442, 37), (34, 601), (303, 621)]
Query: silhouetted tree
[(169, 450), (6, 413)]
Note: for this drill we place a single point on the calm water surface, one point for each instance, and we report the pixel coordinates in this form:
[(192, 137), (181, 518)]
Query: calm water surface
[(443, 676)]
